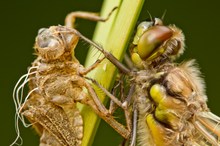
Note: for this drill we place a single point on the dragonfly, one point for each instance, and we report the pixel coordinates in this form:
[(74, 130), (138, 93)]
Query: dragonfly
[(168, 100), (56, 83)]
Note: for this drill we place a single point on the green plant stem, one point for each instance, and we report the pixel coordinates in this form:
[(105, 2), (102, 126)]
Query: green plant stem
[(114, 36)]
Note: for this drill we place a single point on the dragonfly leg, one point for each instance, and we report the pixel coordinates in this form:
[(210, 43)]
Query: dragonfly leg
[(107, 54), (134, 127), (117, 102), (96, 100), (108, 118), (127, 101), (71, 17), (93, 66), (113, 106), (112, 97), (127, 111)]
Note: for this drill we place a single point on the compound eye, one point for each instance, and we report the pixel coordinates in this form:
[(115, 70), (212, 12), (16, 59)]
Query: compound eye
[(48, 45), (47, 42), (142, 27), (152, 39), (42, 30)]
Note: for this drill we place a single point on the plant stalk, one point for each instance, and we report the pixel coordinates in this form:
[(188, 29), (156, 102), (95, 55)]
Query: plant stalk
[(114, 36)]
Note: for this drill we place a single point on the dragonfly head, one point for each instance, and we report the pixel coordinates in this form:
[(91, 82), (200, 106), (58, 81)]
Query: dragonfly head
[(155, 42), (55, 43)]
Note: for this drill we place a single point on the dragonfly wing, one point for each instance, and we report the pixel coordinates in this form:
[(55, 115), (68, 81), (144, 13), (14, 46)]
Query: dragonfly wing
[(208, 124)]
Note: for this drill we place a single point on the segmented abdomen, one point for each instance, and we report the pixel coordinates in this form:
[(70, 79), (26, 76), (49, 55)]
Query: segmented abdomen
[(52, 123)]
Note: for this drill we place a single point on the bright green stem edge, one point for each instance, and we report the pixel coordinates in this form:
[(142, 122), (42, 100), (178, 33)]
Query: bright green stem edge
[(114, 36)]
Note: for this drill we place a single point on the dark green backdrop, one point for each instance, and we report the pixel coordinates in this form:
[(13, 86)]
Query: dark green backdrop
[(20, 20)]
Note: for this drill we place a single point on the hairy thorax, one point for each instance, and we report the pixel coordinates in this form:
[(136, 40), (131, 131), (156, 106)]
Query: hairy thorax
[(168, 101)]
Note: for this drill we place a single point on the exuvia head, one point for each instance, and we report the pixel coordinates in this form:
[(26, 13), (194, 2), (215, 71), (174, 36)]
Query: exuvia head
[(155, 42), (56, 42)]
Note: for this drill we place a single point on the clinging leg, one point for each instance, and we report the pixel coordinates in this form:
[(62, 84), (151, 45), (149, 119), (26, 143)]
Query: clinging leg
[(71, 17), (104, 115), (93, 66)]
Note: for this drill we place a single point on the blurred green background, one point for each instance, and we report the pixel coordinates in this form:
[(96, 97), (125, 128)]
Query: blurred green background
[(21, 19)]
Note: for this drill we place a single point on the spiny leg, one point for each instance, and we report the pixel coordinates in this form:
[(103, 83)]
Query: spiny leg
[(132, 125), (118, 102), (108, 118), (93, 66), (128, 111), (95, 98), (126, 102), (113, 106), (107, 54), (71, 17)]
